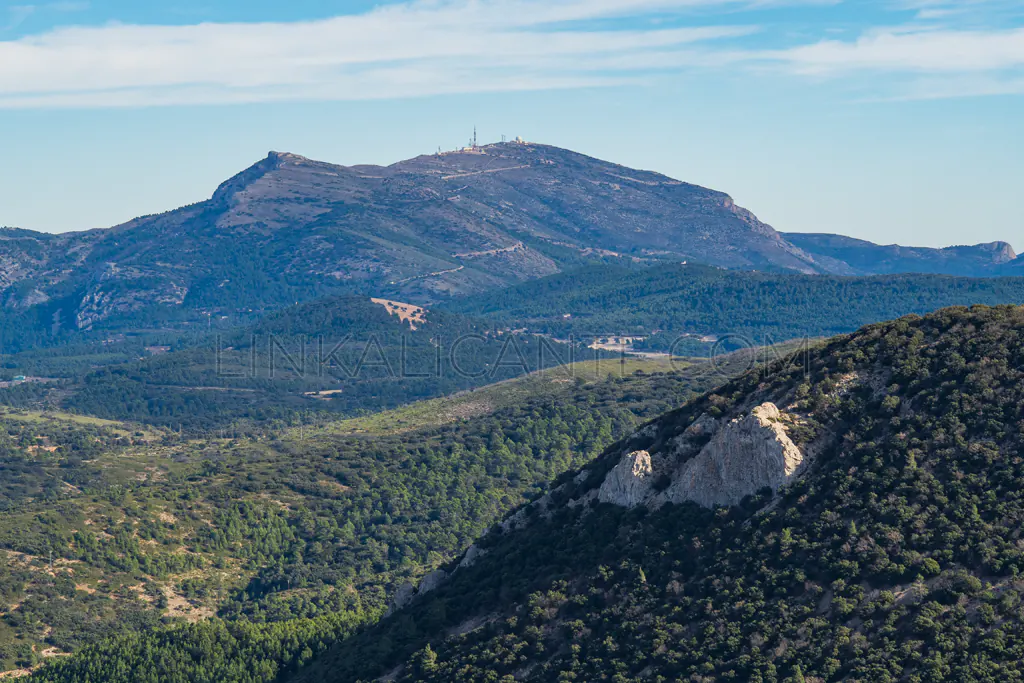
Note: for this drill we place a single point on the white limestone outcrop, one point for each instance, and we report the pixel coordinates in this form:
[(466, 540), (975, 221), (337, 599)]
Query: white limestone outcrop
[(629, 483), (703, 425), (431, 581), (472, 555), (406, 593), (403, 596), (744, 456)]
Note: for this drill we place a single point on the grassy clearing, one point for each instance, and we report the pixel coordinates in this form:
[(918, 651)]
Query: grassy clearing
[(40, 416), (468, 404)]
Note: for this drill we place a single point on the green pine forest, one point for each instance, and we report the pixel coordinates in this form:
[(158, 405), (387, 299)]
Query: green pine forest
[(897, 557), (184, 505), (675, 305), (114, 531)]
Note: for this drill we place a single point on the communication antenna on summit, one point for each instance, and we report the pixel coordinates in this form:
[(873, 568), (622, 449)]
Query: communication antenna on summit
[(474, 137)]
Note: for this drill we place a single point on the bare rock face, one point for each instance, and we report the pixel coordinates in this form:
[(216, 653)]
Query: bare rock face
[(515, 521), (472, 555), (113, 297), (406, 593), (431, 581), (703, 425), (520, 518), (629, 482), (30, 299), (403, 596), (743, 457)]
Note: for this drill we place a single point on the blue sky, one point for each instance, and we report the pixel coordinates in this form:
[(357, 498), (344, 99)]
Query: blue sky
[(890, 120)]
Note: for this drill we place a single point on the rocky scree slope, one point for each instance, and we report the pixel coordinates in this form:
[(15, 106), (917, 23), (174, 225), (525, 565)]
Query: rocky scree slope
[(854, 514)]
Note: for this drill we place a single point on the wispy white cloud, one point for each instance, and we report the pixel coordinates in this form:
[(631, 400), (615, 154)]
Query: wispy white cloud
[(16, 15), (970, 85), (432, 47), (912, 51), (974, 11), (917, 63), (417, 48)]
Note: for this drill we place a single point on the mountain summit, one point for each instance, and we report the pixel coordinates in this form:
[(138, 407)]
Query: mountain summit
[(292, 229)]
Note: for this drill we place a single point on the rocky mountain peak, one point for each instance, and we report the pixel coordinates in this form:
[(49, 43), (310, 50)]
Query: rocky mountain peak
[(239, 182), (287, 157), (1002, 252), (428, 229), (274, 161)]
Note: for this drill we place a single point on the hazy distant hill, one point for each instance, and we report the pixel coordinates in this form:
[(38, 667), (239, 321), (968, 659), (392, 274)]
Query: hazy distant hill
[(866, 258), (292, 229)]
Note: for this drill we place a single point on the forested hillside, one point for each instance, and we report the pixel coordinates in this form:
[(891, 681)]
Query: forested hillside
[(889, 555), (339, 355), (279, 533), (346, 355), (111, 530), (892, 553), (674, 305)]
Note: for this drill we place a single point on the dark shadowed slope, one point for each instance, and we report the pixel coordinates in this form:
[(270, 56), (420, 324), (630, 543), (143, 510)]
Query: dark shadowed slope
[(345, 354)]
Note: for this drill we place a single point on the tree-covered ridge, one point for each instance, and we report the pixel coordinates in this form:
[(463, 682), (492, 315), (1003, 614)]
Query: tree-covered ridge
[(672, 300), (208, 652), (896, 557), (150, 528), (338, 355)]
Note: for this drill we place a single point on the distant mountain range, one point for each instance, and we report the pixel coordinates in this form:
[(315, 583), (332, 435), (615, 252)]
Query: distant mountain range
[(292, 229), (866, 258)]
